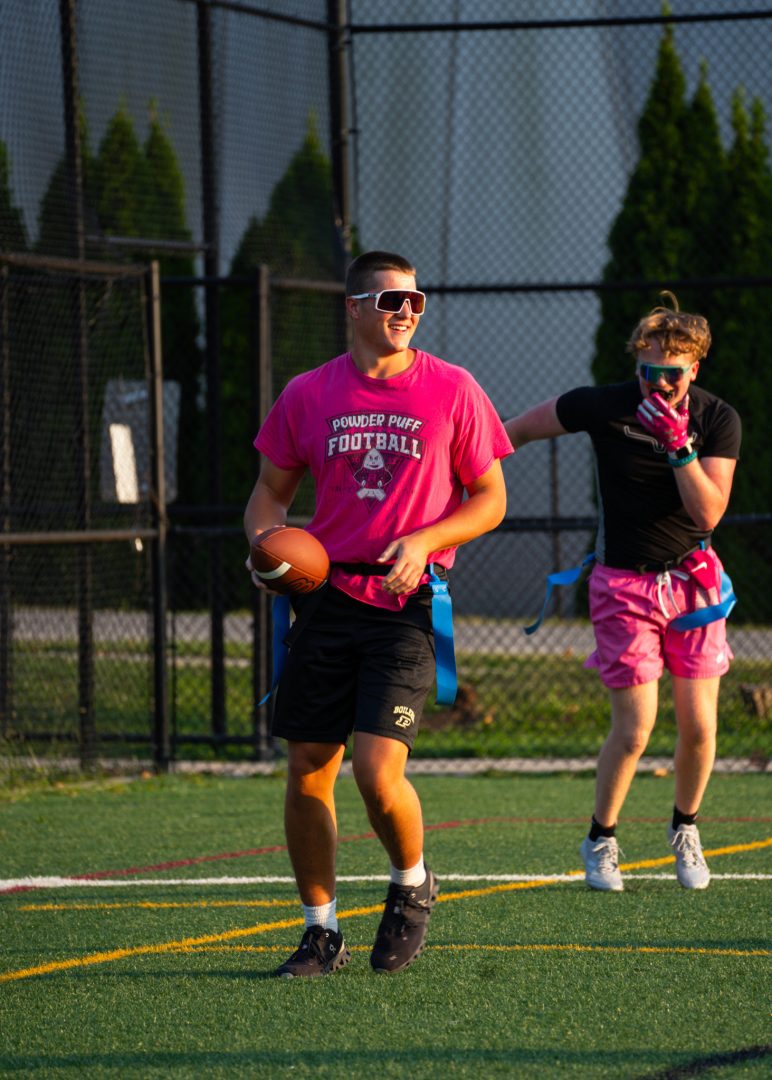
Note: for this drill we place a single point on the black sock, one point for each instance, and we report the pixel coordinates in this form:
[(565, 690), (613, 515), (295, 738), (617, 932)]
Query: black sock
[(682, 819), (597, 830)]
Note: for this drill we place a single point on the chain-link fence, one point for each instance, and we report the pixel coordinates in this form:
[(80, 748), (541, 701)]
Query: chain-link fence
[(251, 149), (82, 497)]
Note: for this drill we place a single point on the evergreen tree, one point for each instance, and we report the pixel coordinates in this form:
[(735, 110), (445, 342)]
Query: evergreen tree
[(53, 235), (55, 211), (296, 239), (694, 211), (123, 181), (164, 212), (705, 194), (13, 235), (47, 336), (649, 239), (163, 216), (737, 367), (133, 191), (51, 330), (298, 227), (140, 193)]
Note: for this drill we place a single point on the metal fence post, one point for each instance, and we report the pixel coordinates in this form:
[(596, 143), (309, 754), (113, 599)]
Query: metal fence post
[(555, 514), (6, 626), (74, 165), (210, 212), (161, 740), (260, 368), (339, 127)]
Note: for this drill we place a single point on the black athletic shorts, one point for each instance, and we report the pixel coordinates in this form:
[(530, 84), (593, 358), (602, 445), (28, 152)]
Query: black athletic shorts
[(355, 667)]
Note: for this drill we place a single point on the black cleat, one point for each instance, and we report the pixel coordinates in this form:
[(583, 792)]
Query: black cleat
[(402, 933), (320, 953)]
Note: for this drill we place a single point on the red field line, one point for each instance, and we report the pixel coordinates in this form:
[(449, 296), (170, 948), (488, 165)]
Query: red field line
[(175, 864)]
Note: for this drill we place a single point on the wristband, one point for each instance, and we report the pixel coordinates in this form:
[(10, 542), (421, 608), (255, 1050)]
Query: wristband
[(682, 456)]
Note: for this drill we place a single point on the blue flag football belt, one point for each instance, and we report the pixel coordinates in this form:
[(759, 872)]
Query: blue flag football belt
[(442, 623), (689, 621)]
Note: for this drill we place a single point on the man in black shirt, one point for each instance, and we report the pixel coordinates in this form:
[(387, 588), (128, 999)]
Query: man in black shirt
[(665, 452)]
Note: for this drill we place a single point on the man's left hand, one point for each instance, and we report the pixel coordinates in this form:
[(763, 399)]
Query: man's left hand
[(409, 554)]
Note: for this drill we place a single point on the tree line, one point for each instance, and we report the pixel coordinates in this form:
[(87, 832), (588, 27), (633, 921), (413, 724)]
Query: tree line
[(699, 211)]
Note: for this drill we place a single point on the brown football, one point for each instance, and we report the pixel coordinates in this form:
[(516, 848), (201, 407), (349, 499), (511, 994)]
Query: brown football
[(289, 560)]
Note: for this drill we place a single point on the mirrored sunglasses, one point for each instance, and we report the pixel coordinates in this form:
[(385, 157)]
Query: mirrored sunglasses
[(392, 300), (671, 373)]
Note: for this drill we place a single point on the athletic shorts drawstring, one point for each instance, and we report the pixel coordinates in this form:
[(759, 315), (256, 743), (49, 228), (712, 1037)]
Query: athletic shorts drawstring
[(664, 580)]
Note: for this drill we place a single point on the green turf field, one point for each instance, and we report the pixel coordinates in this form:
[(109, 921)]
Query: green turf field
[(159, 970)]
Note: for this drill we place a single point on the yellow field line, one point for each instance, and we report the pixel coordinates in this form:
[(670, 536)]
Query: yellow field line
[(733, 849), (680, 949), (643, 864), (284, 924), (147, 950), (535, 947)]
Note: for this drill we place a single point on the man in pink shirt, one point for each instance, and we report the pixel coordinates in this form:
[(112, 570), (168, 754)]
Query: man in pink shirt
[(405, 451)]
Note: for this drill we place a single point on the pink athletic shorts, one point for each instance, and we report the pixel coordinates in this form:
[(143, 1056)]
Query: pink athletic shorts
[(634, 641)]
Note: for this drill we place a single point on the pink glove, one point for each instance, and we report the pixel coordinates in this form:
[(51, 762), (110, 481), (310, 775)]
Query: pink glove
[(669, 425), (703, 567)]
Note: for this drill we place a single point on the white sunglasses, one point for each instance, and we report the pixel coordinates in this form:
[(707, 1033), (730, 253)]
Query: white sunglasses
[(393, 300)]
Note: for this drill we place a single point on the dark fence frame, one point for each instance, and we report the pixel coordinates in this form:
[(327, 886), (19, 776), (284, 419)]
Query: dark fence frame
[(85, 536)]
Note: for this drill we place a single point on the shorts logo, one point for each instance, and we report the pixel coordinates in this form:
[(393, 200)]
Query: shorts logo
[(404, 716)]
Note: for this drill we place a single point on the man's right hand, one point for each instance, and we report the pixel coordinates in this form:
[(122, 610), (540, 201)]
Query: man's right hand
[(670, 426)]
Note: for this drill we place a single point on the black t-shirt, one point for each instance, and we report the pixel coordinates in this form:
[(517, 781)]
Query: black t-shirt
[(642, 517)]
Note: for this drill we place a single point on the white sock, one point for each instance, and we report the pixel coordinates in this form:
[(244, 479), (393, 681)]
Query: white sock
[(321, 915), (414, 875)]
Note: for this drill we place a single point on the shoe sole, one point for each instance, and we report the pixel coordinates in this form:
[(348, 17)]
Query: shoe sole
[(701, 885), (604, 888), (334, 965), (395, 971)]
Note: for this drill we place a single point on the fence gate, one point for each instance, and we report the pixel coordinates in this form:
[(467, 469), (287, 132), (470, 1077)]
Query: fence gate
[(82, 506)]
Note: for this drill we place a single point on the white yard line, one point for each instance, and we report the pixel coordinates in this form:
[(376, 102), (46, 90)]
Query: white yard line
[(8, 884)]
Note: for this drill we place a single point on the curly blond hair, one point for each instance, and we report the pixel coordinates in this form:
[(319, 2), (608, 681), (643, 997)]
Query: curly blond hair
[(674, 331)]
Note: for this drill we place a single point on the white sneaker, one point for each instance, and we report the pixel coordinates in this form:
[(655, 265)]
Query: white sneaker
[(601, 863), (691, 869)]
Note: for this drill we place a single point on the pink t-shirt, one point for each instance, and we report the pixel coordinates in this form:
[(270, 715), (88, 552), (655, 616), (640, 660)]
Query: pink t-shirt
[(388, 456)]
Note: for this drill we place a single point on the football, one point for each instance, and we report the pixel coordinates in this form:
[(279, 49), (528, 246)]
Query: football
[(289, 560)]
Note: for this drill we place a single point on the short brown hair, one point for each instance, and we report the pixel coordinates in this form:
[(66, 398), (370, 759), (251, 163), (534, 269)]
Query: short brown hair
[(359, 276), (675, 331)]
